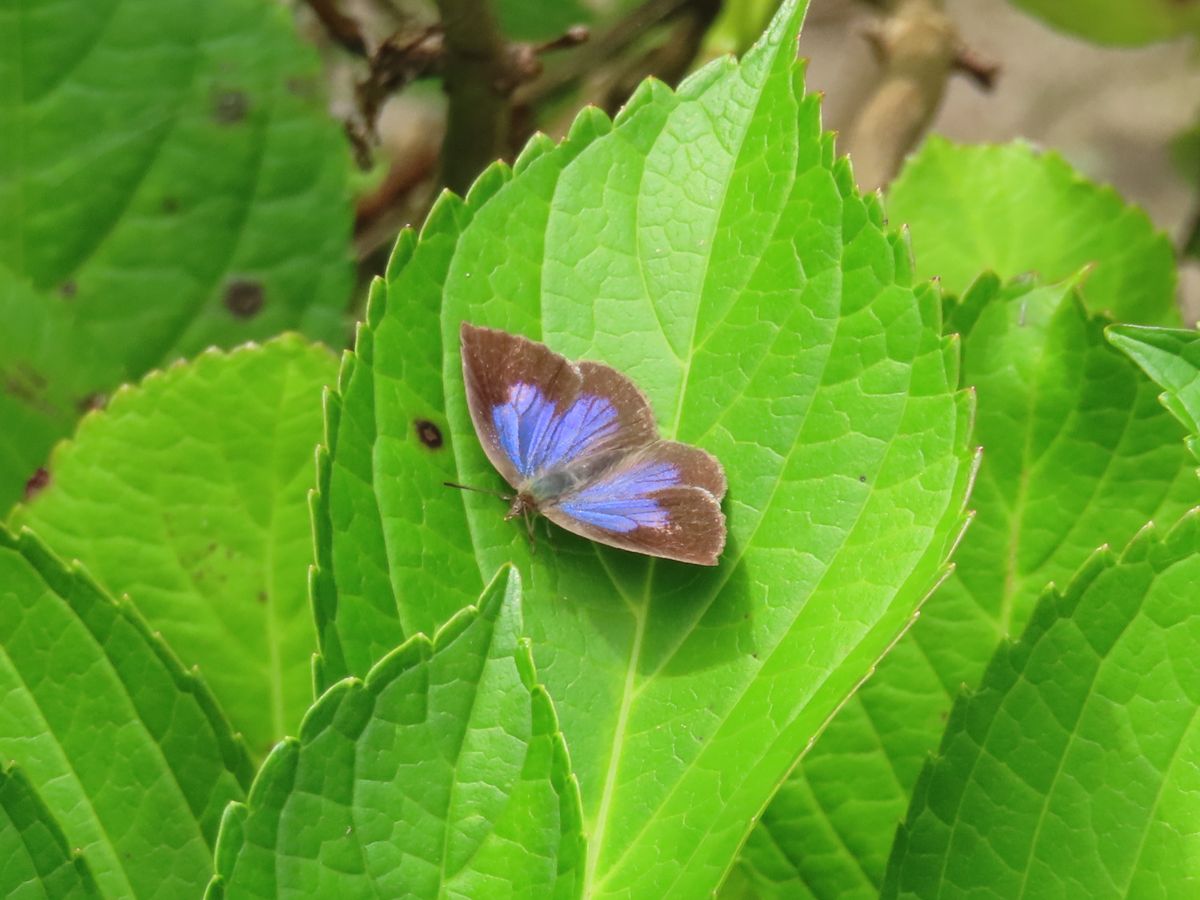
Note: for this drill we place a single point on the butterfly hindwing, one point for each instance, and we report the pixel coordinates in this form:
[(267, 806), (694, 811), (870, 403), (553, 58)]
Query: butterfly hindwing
[(662, 501)]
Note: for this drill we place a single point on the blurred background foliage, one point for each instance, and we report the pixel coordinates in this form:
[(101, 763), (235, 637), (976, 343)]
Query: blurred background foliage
[(249, 173)]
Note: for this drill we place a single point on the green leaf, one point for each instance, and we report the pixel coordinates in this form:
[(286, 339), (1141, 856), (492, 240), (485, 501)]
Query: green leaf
[(442, 774), (129, 753), (533, 20), (1013, 210), (38, 861), (1076, 453), (1124, 23), (1072, 771), (189, 494), (1172, 358), (708, 244), (170, 181)]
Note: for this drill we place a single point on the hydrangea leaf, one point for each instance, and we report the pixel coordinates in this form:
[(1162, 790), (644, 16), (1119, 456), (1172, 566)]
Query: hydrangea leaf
[(1076, 452), (1072, 770), (189, 494), (708, 244), (38, 861), (128, 752), (1124, 23), (442, 774), (170, 181), (1012, 210), (1170, 356)]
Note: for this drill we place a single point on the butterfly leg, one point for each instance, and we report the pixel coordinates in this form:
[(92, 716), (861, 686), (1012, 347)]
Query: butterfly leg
[(529, 526)]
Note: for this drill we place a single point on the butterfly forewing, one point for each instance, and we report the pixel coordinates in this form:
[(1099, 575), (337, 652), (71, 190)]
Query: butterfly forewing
[(535, 411)]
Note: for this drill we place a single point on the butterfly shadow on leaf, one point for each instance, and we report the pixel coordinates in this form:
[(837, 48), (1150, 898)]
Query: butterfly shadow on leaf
[(692, 617)]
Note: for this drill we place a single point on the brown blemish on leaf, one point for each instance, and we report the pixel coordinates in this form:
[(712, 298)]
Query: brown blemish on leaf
[(37, 483), (170, 204), (300, 87), (244, 297), (262, 597), (94, 400), (68, 289), (229, 106), (28, 385), (429, 434)]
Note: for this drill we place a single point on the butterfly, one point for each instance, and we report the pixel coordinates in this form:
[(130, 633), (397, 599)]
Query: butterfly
[(579, 444)]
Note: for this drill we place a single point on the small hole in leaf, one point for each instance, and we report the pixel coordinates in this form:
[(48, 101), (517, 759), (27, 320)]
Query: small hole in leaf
[(430, 434), (244, 298)]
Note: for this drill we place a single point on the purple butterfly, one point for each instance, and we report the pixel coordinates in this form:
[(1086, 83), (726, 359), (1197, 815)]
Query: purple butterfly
[(579, 444)]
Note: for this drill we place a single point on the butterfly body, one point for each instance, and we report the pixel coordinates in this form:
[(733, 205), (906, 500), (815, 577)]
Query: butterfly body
[(579, 444)]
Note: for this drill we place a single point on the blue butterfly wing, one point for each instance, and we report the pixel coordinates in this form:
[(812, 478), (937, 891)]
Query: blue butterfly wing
[(535, 411), (581, 440), (662, 501)]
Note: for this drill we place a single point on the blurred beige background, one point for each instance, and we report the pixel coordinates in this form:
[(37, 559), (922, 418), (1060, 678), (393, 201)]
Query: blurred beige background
[(1111, 111)]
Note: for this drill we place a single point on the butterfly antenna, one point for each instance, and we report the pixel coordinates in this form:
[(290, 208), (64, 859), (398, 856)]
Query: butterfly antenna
[(477, 490)]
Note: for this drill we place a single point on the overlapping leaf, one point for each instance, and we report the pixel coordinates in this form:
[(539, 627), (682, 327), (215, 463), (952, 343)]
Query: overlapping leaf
[(189, 494), (443, 774), (169, 181), (1012, 210), (1076, 453), (1121, 22), (708, 244), (38, 861), (128, 753), (1072, 771), (1172, 358)]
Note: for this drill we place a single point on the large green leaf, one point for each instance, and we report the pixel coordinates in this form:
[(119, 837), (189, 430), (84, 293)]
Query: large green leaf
[(189, 494), (169, 181), (1170, 356), (1121, 22), (38, 861), (1076, 453), (1013, 210), (443, 774), (128, 752), (709, 244), (1072, 771)]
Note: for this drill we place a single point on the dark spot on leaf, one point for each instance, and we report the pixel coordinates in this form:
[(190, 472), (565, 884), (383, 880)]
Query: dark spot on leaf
[(94, 400), (170, 204), (26, 384), (300, 87), (244, 298), (229, 106), (262, 596), (68, 289), (430, 434), (37, 483), (862, 478)]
